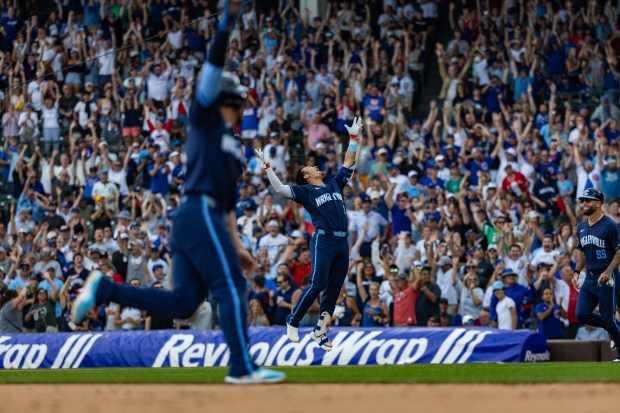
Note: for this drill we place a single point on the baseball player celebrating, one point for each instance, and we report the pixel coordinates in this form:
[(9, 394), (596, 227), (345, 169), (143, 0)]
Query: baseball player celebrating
[(599, 253), (329, 247), (206, 249)]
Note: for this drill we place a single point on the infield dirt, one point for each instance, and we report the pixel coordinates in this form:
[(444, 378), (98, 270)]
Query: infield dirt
[(301, 398)]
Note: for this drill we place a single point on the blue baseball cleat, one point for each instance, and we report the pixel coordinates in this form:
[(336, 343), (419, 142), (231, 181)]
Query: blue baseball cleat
[(86, 299), (260, 376)]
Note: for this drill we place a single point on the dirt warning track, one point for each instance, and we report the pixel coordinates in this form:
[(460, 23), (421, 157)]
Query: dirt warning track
[(301, 398)]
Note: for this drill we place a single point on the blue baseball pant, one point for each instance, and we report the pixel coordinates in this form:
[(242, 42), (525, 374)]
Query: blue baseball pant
[(591, 294), (329, 255), (204, 258)]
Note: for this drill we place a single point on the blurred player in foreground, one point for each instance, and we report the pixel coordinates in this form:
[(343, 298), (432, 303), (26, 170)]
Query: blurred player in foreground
[(206, 249)]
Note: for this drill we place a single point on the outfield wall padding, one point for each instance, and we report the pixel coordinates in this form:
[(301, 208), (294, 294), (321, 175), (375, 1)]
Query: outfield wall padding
[(581, 350), (573, 350), (270, 347)]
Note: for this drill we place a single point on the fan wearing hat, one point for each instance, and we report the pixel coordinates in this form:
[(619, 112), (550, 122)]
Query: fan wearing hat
[(177, 172), (402, 210), (24, 272), (427, 302), (478, 162), (159, 172), (431, 178), (377, 203), (447, 280), (405, 297), (515, 181), (160, 132), (413, 188), (598, 254), (610, 173), (43, 309), (23, 220), (587, 175), (546, 193), (123, 220), (381, 164), (485, 267), (507, 157), (47, 259), (395, 176), (248, 220), (106, 190), (506, 310), (276, 153), (516, 292), (443, 172), (273, 242), (565, 185), (368, 223)]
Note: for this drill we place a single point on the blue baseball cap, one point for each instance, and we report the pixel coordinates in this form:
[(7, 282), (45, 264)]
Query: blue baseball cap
[(157, 266), (176, 143), (508, 271), (499, 261), (497, 285), (593, 194)]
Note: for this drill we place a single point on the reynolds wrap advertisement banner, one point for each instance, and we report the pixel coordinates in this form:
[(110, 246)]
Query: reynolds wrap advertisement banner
[(270, 347)]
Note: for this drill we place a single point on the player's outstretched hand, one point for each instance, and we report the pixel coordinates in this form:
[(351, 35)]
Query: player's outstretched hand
[(356, 128), (261, 155)]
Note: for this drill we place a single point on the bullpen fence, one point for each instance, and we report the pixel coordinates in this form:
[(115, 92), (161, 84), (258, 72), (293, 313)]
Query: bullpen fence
[(270, 347)]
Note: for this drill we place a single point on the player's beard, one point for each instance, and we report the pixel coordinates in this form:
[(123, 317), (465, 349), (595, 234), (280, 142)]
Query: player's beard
[(589, 210)]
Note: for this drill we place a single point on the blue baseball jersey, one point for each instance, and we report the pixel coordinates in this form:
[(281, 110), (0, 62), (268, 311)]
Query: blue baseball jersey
[(598, 242), (550, 327), (325, 203), (215, 157)]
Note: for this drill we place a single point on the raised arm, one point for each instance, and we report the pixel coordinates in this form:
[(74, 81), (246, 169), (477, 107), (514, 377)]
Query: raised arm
[(278, 186), (209, 85), (355, 132)]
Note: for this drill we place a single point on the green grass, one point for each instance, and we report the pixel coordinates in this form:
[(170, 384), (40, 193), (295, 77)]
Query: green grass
[(425, 373)]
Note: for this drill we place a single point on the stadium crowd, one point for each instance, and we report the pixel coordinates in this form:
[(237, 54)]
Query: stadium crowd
[(465, 217)]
